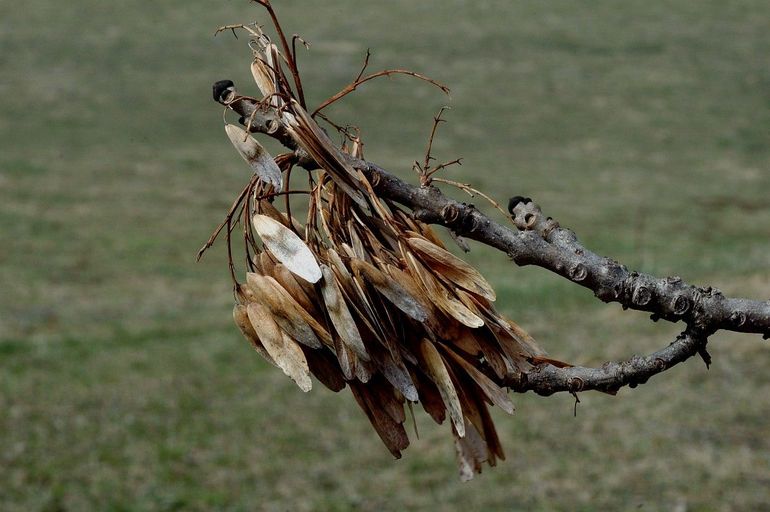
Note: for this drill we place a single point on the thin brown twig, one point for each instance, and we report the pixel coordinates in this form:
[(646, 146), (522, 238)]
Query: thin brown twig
[(465, 187), (294, 40), (365, 65), (287, 195), (230, 263), (387, 72), (229, 216), (234, 26), (434, 170), (436, 121)]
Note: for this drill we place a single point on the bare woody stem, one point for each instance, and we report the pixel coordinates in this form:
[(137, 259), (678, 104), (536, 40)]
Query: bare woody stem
[(542, 242)]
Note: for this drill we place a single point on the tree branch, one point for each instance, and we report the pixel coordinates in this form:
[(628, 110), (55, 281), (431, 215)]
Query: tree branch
[(548, 379), (541, 242)]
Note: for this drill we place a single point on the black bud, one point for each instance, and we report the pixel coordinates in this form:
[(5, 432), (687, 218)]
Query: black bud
[(220, 88), (515, 200)]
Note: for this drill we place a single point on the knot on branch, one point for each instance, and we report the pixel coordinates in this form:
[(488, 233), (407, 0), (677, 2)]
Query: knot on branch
[(450, 213), (738, 318), (575, 385), (578, 273), (460, 218), (527, 216), (680, 305), (641, 296)]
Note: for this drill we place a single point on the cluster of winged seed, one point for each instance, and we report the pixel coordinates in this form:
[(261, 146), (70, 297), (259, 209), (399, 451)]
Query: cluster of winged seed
[(366, 297)]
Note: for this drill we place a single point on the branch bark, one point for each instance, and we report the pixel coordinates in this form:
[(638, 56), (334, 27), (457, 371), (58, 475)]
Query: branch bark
[(542, 242)]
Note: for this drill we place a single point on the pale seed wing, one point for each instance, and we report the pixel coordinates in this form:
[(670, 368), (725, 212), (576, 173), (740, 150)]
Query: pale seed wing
[(245, 294), (453, 268), (389, 288), (266, 263), (354, 294), (490, 389), (358, 246), (363, 371), (257, 157), (241, 318), (440, 296), (287, 312), (400, 379), (528, 342), (299, 293), (459, 311), (287, 247), (273, 60), (471, 453), (347, 250), (263, 76), (430, 397), (267, 208), (413, 288), (345, 358), (301, 370), (440, 376), (287, 354), (339, 267), (340, 314), (394, 372)]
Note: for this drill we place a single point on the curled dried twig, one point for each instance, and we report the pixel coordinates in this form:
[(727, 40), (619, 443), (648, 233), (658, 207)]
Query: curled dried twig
[(361, 80)]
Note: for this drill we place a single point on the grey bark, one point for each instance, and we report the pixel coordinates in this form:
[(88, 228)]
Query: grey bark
[(542, 242)]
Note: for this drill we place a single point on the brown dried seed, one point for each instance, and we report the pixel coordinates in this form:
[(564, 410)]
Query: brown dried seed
[(434, 365), (287, 354), (452, 267), (287, 312), (340, 314), (390, 289), (490, 389), (241, 318)]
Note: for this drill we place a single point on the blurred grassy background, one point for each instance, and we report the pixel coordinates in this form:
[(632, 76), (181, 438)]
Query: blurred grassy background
[(124, 384)]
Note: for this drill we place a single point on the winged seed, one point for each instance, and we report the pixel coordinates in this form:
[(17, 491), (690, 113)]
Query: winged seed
[(258, 158), (287, 247)]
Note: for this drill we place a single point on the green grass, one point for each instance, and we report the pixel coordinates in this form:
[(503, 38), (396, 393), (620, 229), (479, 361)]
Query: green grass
[(123, 384)]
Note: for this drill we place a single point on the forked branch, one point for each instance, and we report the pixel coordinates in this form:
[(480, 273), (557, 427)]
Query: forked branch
[(542, 242)]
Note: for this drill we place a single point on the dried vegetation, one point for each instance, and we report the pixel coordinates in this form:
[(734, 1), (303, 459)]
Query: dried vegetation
[(355, 291)]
